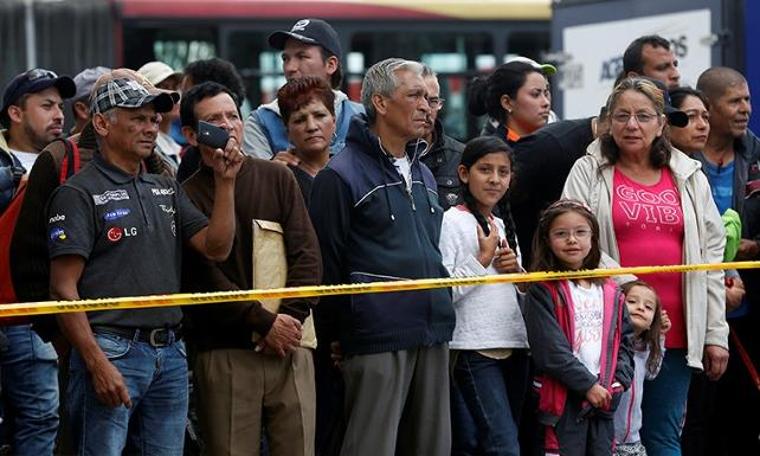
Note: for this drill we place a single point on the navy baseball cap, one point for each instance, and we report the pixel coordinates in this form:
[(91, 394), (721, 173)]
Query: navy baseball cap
[(309, 31), (34, 81)]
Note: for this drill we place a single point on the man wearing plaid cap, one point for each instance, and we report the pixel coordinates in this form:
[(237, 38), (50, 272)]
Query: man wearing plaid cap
[(117, 231)]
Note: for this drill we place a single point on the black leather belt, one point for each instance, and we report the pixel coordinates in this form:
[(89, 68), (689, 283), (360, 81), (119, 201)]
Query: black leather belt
[(156, 337)]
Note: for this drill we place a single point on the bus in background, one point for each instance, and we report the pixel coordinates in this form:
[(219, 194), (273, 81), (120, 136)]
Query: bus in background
[(457, 39)]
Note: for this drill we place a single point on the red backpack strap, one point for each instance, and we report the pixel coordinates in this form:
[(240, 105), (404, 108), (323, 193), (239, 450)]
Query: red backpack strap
[(70, 164)]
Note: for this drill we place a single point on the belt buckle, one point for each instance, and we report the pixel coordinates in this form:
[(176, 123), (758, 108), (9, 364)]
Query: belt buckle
[(157, 332)]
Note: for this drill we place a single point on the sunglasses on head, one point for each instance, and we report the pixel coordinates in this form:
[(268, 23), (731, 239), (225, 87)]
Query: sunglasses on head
[(39, 73)]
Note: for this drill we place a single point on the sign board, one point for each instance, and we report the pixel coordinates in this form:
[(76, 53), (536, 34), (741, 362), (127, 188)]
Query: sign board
[(595, 54)]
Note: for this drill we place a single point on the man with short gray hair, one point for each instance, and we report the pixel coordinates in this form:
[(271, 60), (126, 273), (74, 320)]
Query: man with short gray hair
[(376, 213)]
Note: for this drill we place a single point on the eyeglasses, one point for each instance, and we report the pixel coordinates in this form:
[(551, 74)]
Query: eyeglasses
[(436, 103), (39, 73), (581, 233), (623, 118)]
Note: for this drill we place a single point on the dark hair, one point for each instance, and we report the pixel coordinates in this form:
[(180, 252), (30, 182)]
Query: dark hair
[(543, 257), (651, 336), (485, 92), (632, 59), (659, 153), (220, 71), (194, 96), (475, 150), (297, 93), (679, 94), (337, 77)]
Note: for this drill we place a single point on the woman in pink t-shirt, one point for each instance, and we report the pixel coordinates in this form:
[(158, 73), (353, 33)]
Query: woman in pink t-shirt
[(655, 207)]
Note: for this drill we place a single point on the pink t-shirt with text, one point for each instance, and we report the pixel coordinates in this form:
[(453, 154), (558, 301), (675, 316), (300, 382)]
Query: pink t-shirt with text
[(649, 227)]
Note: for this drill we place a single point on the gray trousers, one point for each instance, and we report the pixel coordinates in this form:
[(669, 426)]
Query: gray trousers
[(397, 403)]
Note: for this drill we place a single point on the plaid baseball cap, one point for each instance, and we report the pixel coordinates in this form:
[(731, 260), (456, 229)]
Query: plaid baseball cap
[(126, 93), (34, 81), (309, 31)]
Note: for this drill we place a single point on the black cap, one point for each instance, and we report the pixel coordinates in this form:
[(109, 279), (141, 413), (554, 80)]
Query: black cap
[(676, 118), (309, 31), (34, 81)]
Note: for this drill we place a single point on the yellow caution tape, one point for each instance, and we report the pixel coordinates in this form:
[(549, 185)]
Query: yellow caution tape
[(185, 299)]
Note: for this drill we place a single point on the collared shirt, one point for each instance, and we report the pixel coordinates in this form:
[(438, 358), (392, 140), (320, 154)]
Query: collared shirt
[(130, 230)]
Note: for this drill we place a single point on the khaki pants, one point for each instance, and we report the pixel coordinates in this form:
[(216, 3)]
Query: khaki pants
[(239, 390)]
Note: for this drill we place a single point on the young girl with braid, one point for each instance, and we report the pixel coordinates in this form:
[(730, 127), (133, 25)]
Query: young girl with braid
[(489, 345)]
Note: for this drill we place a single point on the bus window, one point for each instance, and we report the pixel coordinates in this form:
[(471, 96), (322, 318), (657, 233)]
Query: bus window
[(174, 47), (258, 64), (452, 55)]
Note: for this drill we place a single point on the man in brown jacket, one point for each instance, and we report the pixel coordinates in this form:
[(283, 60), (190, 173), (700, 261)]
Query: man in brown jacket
[(250, 362)]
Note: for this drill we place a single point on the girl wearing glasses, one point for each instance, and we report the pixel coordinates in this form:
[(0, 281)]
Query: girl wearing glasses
[(655, 208), (579, 334), (489, 344)]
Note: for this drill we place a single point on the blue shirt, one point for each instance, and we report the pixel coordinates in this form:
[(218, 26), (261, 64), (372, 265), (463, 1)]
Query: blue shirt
[(722, 184)]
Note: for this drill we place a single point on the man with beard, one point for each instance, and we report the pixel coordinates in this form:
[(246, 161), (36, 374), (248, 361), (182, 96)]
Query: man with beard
[(33, 112)]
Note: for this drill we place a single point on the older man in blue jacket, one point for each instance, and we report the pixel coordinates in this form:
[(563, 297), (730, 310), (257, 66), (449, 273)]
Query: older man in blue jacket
[(376, 213)]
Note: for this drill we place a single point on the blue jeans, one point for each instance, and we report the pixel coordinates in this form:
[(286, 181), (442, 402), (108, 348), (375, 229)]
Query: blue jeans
[(157, 382), (487, 396), (30, 390), (664, 405)]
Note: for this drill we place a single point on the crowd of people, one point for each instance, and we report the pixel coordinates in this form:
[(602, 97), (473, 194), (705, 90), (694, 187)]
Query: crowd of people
[(313, 188)]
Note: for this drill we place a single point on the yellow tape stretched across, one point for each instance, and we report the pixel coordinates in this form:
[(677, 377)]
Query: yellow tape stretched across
[(52, 307)]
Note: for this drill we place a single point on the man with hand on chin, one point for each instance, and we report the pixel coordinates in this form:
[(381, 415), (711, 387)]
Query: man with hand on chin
[(117, 231)]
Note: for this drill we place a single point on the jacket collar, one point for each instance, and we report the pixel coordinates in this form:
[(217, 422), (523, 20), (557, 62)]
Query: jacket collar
[(360, 135)]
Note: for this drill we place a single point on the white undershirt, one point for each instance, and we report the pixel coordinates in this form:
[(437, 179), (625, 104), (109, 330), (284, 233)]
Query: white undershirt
[(404, 169), (27, 159)]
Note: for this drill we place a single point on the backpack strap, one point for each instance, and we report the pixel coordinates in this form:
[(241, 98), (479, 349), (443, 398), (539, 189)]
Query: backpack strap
[(71, 163)]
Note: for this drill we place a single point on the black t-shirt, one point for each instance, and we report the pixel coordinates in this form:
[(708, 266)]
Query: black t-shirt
[(542, 162), (305, 181), (131, 231)]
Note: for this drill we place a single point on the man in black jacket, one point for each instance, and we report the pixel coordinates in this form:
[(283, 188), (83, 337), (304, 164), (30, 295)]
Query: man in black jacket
[(444, 153), (376, 214)]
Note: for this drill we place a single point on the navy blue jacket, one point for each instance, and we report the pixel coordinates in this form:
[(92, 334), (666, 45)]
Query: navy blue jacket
[(370, 229)]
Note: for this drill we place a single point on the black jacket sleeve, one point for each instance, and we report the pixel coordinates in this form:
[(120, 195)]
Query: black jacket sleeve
[(624, 369), (552, 353), (330, 211), (302, 248)]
